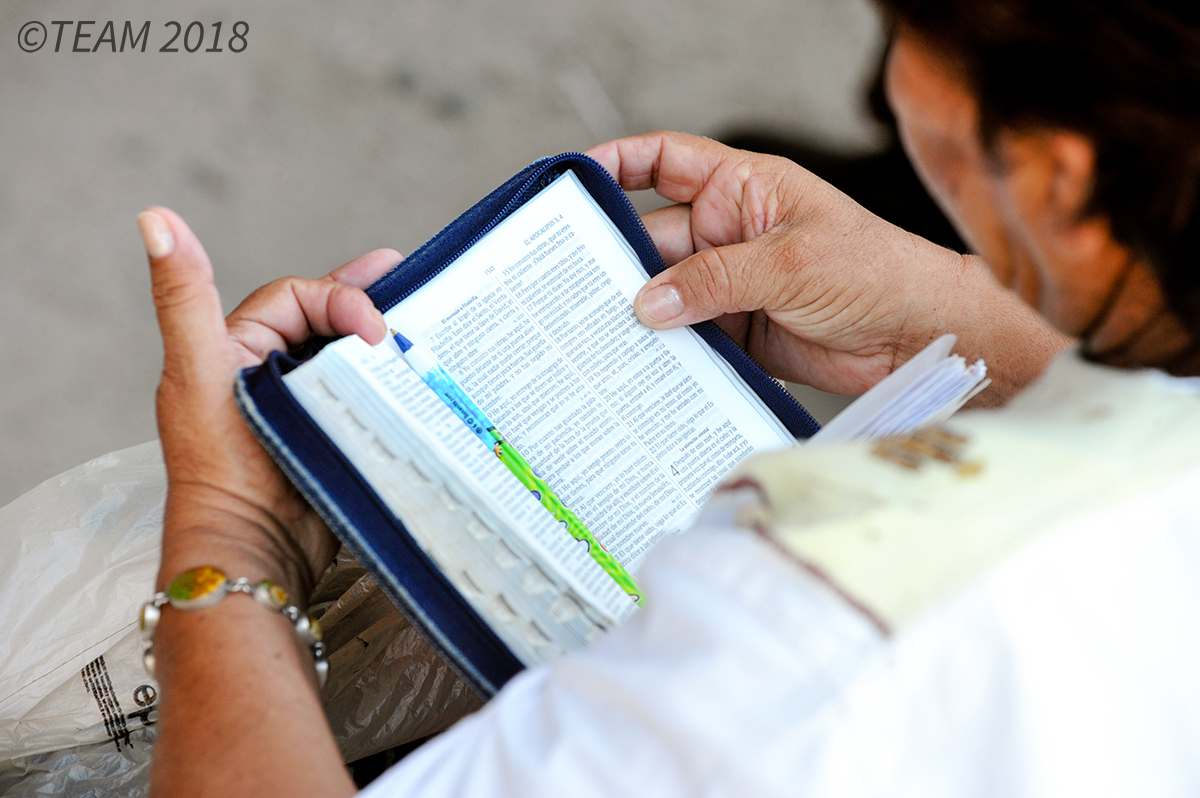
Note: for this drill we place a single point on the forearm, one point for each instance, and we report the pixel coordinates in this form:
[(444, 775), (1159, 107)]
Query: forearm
[(992, 323), (240, 713)]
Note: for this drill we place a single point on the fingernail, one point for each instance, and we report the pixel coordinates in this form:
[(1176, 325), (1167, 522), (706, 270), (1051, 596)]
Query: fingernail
[(156, 235), (661, 304)]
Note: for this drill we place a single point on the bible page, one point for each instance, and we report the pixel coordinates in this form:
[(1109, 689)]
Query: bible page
[(631, 427)]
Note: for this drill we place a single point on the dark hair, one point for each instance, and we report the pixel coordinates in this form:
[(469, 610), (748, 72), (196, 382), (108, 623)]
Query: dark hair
[(1123, 73)]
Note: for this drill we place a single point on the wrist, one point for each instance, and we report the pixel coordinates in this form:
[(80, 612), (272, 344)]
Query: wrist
[(236, 544), (993, 323), (206, 587), (240, 711)]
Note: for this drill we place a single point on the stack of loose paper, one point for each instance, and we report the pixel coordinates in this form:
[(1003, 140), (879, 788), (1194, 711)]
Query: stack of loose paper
[(926, 390)]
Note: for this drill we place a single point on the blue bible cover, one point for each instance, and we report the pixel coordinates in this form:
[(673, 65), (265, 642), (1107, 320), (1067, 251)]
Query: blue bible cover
[(360, 519)]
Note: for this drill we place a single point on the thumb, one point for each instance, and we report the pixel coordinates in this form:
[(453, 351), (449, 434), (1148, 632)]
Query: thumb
[(185, 297), (711, 283)]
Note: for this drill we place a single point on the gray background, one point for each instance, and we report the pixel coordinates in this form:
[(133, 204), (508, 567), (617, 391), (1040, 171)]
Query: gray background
[(341, 128)]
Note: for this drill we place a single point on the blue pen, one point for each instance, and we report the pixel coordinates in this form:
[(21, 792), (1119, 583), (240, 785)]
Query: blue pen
[(427, 367)]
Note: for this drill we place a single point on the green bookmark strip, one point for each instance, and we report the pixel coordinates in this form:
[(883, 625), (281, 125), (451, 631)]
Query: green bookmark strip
[(521, 469)]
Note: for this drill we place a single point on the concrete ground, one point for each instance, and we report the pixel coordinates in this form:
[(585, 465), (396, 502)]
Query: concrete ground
[(341, 127)]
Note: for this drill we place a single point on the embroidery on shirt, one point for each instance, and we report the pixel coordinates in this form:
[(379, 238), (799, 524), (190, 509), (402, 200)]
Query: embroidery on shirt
[(935, 443)]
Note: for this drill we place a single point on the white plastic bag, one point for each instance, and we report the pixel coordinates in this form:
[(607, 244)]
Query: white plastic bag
[(87, 771), (78, 556)]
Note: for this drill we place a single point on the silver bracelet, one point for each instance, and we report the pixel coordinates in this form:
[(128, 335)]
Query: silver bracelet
[(206, 586)]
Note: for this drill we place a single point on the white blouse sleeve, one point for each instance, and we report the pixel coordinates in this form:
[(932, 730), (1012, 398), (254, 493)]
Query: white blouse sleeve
[(715, 687)]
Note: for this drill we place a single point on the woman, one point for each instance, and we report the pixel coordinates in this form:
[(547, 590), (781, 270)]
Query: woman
[(1057, 656)]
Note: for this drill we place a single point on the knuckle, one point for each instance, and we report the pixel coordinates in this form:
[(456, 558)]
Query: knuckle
[(284, 286), (794, 282), (268, 295), (709, 283), (169, 294)]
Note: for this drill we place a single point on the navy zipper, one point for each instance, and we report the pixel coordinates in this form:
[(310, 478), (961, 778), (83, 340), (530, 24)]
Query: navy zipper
[(514, 202)]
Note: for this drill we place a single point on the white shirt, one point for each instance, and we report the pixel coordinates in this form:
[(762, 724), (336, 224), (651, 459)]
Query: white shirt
[(1070, 667)]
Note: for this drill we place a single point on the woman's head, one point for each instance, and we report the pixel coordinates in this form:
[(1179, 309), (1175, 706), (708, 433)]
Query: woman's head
[(1064, 139)]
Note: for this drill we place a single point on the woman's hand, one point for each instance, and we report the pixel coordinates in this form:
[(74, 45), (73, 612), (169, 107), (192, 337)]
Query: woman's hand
[(228, 504), (239, 709), (815, 287)]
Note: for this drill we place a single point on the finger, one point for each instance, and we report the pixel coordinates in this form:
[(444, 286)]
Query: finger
[(711, 283), (606, 155), (671, 230), (285, 313), (676, 165), (185, 297), (366, 269)]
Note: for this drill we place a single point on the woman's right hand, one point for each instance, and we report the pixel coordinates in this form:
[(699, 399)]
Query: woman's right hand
[(812, 285)]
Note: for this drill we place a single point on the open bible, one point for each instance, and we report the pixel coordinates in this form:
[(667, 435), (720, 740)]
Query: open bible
[(526, 301)]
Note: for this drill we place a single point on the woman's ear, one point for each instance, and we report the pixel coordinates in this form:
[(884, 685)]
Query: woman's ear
[(1074, 235), (1049, 176), (1073, 161)]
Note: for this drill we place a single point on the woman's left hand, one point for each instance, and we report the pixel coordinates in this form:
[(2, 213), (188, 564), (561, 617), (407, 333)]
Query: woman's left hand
[(228, 504)]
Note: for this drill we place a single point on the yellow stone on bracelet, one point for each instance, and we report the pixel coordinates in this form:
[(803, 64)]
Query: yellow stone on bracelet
[(199, 587)]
